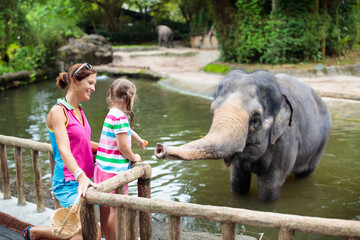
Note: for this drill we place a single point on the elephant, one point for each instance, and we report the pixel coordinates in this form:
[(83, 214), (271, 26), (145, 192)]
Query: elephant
[(269, 125), (165, 34)]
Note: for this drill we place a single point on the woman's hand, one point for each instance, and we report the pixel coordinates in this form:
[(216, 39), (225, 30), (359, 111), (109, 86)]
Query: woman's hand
[(84, 183)]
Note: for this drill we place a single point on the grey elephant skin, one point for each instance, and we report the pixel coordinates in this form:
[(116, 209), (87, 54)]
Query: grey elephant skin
[(165, 34), (268, 125)]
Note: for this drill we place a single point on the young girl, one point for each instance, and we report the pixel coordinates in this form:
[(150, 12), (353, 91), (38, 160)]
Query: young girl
[(114, 153)]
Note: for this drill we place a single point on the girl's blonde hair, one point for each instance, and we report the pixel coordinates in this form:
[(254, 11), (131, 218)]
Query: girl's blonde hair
[(120, 89)]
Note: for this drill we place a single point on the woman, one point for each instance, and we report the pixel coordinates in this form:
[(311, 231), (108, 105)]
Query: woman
[(70, 140)]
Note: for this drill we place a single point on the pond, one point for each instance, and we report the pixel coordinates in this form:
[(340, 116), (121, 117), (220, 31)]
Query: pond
[(172, 118)]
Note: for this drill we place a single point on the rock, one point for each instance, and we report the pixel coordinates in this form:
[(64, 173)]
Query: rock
[(90, 48)]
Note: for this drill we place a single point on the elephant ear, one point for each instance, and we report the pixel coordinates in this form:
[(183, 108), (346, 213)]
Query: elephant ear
[(282, 120)]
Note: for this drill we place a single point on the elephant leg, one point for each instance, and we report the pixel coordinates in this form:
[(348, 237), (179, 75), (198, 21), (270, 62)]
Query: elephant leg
[(159, 41), (268, 188), (167, 43), (240, 177), (172, 41), (313, 161), (282, 163)]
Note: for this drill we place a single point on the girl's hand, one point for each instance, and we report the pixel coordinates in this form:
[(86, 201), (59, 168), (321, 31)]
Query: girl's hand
[(142, 144), (84, 183), (137, 158)]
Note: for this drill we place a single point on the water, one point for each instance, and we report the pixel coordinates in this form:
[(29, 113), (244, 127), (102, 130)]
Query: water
[(168, 117)]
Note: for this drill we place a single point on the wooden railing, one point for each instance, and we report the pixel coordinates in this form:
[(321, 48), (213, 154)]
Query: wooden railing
[(127, 206), (35, 148)]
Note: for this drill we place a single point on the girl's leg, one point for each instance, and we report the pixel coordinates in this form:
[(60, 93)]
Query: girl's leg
[(104, 214), (111, 224), (107, 220)]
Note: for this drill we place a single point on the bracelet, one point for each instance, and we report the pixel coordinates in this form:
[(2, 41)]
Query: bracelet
[(77, 173)]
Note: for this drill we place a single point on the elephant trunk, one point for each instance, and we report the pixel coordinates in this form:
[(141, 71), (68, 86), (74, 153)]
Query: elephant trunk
[(227, 136)]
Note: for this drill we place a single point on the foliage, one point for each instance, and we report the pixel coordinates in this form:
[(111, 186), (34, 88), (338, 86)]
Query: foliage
[(247, 30), (217, 68), (33, 29), (291, 39), (255, 31)]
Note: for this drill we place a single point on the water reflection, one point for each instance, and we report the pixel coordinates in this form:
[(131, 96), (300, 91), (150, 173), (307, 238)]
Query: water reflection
[(171, 118)]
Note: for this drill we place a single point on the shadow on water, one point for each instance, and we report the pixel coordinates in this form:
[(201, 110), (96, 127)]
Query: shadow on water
[(172, 118)]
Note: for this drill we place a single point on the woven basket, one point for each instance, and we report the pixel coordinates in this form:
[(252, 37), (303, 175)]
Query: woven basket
[(72, 226)]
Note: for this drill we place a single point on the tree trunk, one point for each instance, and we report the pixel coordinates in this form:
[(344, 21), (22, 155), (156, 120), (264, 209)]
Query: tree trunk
[(274, 4), (323, 40)]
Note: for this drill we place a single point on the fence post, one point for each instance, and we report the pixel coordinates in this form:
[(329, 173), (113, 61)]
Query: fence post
[(145, 218), (89, 226), (174, 228), (40, 202), (19, 176), (286, 234), (132, 233), (120, 220), (5, 172), (52, 166), (228, 230)]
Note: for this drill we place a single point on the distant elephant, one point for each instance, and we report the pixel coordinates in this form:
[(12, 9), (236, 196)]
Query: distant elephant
[(165, 34), (262, 124)]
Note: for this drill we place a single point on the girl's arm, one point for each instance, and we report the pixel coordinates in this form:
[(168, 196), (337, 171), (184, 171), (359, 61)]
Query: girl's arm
[(57, 121), (124, 148), (138, 139), (94, 146)]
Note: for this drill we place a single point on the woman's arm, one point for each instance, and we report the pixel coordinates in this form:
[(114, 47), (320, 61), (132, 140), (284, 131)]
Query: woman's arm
[(124, 148), (57, 122)]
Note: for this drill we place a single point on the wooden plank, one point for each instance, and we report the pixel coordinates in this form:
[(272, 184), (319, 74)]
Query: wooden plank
[(121, 179), (5, 172), (19, 176), (174, 227), (25, 143), (315, 225), (228, 230), (40, 201), (120, 217), (132, 229), (145, 218), (89, 226), (286, 234), (52, 167)]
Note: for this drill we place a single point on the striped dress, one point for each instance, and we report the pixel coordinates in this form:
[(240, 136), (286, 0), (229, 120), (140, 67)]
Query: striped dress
[(108, 158)]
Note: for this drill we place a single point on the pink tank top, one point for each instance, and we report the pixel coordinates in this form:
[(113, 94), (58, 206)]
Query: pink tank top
[(79, 137)]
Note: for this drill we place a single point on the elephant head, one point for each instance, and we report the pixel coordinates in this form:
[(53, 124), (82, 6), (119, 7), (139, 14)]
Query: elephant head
[(262, 124), (248, 112)]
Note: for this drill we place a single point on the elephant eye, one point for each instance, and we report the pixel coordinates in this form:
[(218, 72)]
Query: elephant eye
[(256, 121)]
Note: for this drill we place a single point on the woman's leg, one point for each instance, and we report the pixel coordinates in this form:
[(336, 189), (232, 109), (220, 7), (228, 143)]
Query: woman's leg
[(45, 233), (42, 233)]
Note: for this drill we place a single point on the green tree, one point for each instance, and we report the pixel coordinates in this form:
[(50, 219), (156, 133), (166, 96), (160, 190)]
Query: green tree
[(281, 31), (33, 29)]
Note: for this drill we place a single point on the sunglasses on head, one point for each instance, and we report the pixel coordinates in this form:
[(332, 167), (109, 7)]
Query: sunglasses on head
[(85, 64)]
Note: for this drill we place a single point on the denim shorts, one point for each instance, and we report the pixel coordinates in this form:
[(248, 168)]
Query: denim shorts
[(66, 192)]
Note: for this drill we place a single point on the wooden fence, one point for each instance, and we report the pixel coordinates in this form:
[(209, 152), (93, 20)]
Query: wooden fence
[(127, 206)]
